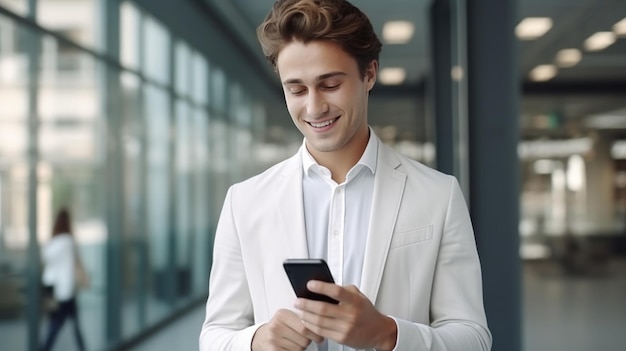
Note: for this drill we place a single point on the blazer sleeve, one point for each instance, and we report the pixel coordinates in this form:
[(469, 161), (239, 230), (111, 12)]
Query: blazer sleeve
[(458, 321), (229, 320)]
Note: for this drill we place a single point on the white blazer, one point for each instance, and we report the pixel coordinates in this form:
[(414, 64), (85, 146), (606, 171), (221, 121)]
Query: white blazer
[(421, 265)]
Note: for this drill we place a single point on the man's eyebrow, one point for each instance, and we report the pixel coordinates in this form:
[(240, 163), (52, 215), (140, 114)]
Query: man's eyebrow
[(318, 79)]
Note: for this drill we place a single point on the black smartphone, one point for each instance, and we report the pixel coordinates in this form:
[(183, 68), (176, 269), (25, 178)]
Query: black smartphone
[(301, 270)]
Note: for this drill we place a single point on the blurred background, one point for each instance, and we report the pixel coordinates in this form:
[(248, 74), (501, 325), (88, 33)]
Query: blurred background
[(137, 116)]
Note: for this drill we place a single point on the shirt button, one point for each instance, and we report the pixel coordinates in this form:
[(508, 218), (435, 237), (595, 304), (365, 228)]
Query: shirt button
[(335, 232)]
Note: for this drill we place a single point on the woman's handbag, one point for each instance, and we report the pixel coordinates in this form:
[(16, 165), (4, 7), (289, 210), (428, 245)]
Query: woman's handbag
[(81, 276), (48, 302), (80, 273)]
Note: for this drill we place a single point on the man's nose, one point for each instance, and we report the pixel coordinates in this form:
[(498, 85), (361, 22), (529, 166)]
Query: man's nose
[(316, 106)]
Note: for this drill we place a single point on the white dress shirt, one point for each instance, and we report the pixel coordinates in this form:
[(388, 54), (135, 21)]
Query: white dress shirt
[(337, 217)]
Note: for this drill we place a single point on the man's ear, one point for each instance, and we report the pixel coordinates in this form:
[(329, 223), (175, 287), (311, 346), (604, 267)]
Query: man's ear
[(370, 74)]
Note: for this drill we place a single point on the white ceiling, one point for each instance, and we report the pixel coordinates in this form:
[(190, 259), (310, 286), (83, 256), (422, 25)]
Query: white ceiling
[(574, 21)]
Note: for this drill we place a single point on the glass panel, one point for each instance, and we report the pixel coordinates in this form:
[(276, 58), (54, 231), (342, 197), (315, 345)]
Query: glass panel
[(200, 79), (184, 164), (68, 106), (219, 164), (218, 89), (76, 20), (183, 67), (156, 109), (18, 6), (130, 29), (202, 211), (241, 140), (71, 172), (156, 55), (13, 94), (133, 243), (13, 185)]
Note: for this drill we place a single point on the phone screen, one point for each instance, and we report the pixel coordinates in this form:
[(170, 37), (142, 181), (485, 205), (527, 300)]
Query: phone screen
[(300, 271)]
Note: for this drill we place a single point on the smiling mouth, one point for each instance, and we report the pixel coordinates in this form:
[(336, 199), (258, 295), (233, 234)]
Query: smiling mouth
[(323, 124)]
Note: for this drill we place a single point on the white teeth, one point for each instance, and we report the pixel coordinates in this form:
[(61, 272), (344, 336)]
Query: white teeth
[(323, 124)]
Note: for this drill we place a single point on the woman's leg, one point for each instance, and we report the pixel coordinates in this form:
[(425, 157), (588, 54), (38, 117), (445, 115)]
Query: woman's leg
[(77, 331), (57, 318)]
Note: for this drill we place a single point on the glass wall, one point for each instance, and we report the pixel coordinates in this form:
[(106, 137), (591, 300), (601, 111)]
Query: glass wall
[(14, 184), (144, 203)]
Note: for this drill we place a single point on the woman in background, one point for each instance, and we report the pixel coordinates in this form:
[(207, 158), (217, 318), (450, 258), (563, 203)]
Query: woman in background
[(64, 272)]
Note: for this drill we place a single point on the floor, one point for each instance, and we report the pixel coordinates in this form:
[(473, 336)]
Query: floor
[(562, 312), (581, 312), (180, 335)]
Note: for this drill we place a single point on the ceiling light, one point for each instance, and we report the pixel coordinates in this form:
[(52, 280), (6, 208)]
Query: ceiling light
[(599, 41), (533, 27), (544, 166), (398, 32), (554, 148), (607, 121), (456, 73), (568, 57), (620, 28), (618, 150), (575, 173), (392, 75), (542, 73)]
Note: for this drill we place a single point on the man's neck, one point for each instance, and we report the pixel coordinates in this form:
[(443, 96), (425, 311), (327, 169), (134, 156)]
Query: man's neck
[(340, 162)]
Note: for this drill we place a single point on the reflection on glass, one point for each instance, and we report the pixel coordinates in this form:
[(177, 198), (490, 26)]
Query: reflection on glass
[(200, 80), (68, 105), (184, 165), (175, 167), (218, 89), (133, 253), (130, 29), (203, 214), (13, 185), (18, 6), (76, 20), (156, 44), (156, 109), (71, 166), (220, 162), (13, 93), (183, 69)]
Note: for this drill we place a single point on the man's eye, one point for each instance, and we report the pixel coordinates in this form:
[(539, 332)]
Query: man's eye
[(296, 91), (331, 87)]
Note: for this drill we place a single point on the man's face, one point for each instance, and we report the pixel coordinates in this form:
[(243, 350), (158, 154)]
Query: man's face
[(326, 96)]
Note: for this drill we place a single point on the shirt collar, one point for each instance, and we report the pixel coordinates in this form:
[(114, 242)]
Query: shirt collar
[(368, 159)]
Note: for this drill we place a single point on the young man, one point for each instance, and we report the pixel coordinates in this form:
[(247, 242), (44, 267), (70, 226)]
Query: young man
[(396, 234)]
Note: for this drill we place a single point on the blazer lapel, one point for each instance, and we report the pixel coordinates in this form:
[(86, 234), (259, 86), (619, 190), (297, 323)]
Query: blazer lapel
[(292, 212), (388, 188)]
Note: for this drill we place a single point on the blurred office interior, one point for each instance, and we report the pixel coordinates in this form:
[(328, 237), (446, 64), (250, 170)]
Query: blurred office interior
[(138, 114)]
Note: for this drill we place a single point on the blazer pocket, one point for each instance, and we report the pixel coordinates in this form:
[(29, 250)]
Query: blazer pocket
[(412, 236)]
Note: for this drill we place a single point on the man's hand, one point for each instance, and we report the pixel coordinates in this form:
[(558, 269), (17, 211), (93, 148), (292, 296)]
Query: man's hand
[(354, 322), (285, 331)]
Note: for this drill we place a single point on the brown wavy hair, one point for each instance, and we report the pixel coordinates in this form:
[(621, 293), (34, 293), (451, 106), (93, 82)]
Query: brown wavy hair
[(62, 223), (307, 20)]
